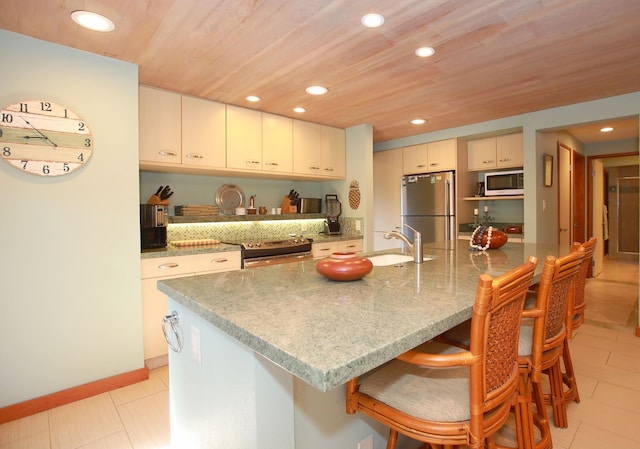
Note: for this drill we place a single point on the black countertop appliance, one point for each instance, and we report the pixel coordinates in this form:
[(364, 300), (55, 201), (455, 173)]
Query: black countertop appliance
[(153, 225), (334, 209)]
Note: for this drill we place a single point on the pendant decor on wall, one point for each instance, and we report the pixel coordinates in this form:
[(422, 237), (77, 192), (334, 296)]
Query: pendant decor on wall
[(354, 194)]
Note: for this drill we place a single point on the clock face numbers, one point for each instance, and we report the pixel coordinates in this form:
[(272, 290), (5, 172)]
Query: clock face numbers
[(44, 138)]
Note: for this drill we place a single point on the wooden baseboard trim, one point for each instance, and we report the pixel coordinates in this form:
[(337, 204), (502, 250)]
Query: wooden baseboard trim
[(42, 403), (637, 331)]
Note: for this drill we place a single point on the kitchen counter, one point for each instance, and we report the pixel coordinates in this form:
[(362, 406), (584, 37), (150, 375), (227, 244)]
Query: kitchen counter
[(266, 352), (172, 250), (327, 332)]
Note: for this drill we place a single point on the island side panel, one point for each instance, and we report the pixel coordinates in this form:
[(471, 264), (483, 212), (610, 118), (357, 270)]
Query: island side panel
[(231, 398), (237, 398)]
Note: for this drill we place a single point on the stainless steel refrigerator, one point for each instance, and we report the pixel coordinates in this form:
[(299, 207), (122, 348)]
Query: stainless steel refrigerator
[(428, 206)]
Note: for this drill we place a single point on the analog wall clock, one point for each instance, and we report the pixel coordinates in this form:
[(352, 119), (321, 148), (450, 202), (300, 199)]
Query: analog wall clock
[(44, 138)]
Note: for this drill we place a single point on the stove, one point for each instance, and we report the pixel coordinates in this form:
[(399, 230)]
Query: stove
[(270, 252)]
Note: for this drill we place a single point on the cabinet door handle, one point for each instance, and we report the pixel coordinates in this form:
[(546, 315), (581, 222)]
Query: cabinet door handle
[(488, 162), (272, 163), (420, 166), (167, 153), (167, 266), (195, 156), (314, 168), (434, 164), (220, 260)]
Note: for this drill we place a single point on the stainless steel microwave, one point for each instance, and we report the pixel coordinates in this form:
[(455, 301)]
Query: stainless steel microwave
[(504, 183)]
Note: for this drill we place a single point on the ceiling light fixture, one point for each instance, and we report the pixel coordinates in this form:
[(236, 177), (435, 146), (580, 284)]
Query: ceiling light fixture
[(372, 20), (92, 21), (253, 98), (299, 110), (316, 90), (425, 52), (418, 121), (606, 129)]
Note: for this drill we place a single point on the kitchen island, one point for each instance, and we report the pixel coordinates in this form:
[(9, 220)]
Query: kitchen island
[(267, 351)]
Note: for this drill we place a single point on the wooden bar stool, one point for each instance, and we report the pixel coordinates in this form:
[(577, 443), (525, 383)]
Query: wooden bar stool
[(459, 398), (559, 397), (540, 346)]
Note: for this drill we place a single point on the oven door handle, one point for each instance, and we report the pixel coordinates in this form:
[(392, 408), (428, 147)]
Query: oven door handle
[(275, 260)]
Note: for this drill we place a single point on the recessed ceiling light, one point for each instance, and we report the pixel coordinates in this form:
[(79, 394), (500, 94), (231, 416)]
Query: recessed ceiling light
[(316, 90), (253, 98), (418, 121), (372, 20), (425, 52), (606, 129), (299, 110), (92, 21)]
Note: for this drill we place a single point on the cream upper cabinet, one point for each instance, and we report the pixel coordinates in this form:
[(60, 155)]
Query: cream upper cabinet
[(307, 148), (509, 151), (244, 138), (441, 155), (333, 152), (414, 159), (319, 150), (482, 153), (277, 143), (160, 126), (430, 157), (496, 152), (203, 132)]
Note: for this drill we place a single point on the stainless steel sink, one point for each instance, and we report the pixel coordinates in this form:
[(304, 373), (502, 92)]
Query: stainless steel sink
[(385, 260)]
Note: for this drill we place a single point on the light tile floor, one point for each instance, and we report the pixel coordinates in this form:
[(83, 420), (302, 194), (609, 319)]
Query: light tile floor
[(606, 356)]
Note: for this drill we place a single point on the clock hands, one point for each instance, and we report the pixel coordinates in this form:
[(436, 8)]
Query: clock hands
[(41, 136)]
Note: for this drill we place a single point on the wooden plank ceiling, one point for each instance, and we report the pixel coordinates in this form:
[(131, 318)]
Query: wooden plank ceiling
[(493, 58)]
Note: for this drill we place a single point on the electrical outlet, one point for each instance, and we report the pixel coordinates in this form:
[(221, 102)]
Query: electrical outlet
[(358, 226), (367, 443), (195, 345), (303, 226)]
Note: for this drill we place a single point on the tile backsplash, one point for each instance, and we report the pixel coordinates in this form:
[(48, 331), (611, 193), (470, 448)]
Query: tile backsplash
[(255, 230)]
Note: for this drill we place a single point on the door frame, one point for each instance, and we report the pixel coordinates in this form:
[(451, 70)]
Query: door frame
[(590, 184)]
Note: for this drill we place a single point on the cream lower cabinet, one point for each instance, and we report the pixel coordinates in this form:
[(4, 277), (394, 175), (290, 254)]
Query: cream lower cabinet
[(324, 249), (154, 303), (387, 191)]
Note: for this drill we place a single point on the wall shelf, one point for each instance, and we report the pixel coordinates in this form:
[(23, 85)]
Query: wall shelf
[(493, 198)]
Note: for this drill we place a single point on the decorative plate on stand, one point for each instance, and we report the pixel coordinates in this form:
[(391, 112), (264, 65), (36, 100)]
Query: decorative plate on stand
[(228, 197)]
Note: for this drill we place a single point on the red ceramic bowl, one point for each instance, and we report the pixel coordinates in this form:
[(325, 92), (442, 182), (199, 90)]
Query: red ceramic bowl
[(344, 266)]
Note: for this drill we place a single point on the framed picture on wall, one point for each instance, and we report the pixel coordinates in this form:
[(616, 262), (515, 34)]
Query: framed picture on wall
[(548, 170)]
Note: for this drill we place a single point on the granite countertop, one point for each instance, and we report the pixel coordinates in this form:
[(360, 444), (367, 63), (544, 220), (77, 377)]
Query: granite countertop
[(172, 250), (327, 332)]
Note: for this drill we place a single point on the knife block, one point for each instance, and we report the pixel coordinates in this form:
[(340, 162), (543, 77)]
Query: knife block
[(287, 207)]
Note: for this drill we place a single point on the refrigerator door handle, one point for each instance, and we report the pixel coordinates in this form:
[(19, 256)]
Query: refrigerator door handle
[(447, 199)]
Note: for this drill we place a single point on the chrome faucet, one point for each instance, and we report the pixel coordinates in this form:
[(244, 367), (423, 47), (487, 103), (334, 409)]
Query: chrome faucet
[(415, 247)]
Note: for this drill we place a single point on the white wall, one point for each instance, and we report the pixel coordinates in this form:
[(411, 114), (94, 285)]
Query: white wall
[(70, 266)]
